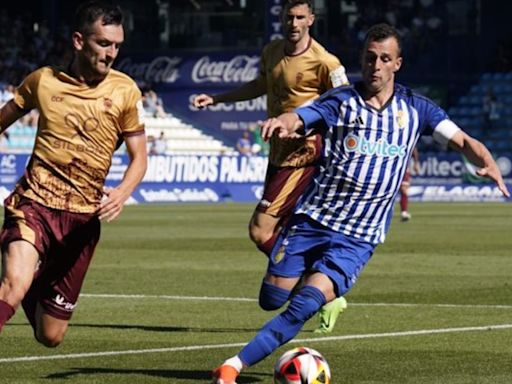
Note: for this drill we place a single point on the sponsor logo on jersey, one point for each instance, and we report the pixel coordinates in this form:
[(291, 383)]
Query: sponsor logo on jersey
[(381, 147), (265, 203)]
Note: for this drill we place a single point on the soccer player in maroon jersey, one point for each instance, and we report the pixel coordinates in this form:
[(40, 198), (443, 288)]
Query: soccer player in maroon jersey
[(52, 218), (293, 71)]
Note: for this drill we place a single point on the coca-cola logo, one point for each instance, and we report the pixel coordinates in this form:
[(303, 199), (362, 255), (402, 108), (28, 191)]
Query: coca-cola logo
[(162, 69), (240, 69)]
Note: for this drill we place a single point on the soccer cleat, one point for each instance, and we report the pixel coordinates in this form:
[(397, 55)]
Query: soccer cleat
[(225, 374), (329, 313), (405, 216)]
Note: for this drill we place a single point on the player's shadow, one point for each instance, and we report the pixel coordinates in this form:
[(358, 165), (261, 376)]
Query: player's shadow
[(162, 373), (150, 328)]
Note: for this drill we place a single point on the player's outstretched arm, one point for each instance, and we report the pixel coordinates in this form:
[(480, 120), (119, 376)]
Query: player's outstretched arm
[(478, 154), (114, 198), (287, 125), (247, 91)]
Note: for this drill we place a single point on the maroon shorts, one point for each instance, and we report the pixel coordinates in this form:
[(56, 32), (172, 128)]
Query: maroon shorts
[(283, 188), (65, 242)]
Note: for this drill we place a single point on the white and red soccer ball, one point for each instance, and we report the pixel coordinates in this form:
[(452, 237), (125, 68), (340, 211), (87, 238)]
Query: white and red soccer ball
[(302, 366)]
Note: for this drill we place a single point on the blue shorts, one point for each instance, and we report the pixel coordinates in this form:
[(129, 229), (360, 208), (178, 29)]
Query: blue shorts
[(307, 246)]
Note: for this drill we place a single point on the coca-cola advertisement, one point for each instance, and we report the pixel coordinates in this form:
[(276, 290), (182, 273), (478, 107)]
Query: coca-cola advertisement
[(177, 78)]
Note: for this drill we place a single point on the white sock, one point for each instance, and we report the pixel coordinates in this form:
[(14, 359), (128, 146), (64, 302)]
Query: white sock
[(235, 362)]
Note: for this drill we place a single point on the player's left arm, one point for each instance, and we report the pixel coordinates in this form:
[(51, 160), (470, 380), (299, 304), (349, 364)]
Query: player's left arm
[(478, 154), (114, 199)]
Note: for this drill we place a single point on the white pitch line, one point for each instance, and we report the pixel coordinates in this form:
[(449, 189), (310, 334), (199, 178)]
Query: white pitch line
[(245, 299), (235, 345)]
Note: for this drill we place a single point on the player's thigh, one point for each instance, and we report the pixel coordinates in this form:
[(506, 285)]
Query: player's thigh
[(19, 262), (263, 223), (63, 280), (287, 283)]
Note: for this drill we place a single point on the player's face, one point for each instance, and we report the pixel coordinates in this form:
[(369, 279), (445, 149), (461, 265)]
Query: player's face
[(98, 49), (380, 61), (296, 22)]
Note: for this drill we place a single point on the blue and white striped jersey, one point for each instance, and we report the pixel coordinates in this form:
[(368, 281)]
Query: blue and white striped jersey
[(365, 157)]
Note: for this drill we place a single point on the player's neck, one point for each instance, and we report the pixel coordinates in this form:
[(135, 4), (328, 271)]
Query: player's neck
[(81, 73), (378, 99), (299, 47)]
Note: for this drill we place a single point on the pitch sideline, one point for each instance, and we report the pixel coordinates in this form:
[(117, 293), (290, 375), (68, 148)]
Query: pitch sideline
[(246, 299), (238, 345)]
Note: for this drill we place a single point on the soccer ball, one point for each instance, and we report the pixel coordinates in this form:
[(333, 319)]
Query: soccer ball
[(302, 366)]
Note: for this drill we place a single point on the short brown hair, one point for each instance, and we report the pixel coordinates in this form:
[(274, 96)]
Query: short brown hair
[(87, 13), (382, 31), (287, 4)]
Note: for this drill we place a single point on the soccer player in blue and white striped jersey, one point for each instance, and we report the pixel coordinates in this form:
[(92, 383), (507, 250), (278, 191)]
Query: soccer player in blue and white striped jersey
[(370, 130)]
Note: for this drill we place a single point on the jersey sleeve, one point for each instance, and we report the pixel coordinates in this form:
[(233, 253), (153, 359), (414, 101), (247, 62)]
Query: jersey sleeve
[(326, 109), (262, 73), (133, 117), (437, 123), (331, 72), (25, 95)]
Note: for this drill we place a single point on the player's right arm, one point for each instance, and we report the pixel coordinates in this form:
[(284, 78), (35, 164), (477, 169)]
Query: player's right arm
[(9, 113), (287, 125), (250, 90), (478, 154)]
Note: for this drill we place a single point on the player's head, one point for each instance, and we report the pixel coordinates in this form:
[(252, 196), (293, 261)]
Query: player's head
[(297, 17), (98, 34), (381, 57)]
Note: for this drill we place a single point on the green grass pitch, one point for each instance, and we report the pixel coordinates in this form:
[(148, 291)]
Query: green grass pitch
[(171, 294)]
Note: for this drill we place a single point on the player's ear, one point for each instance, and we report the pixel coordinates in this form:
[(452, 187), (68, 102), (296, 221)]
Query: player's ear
[(311, 19), (398, 63), (78, 40)]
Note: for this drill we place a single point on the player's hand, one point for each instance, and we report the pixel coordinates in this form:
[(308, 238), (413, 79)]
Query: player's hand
[(202, 100), (268, 127), (111, 204), (492, 172), (286, 126)]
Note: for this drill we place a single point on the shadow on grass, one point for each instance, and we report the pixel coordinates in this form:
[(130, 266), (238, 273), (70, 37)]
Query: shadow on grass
[(165, 373), (150, 328)]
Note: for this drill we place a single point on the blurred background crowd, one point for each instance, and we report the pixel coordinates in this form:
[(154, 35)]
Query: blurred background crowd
[(454, 49)]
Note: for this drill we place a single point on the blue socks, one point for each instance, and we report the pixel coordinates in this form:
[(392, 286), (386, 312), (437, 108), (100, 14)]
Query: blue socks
[(283, 327), (272, 297)]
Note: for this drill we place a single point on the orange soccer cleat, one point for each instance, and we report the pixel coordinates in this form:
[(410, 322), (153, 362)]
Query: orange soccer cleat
[(225, 374)]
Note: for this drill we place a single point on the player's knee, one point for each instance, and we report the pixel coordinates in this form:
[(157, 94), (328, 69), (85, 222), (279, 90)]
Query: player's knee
[(305, 304), (50, 339), (272, 297)]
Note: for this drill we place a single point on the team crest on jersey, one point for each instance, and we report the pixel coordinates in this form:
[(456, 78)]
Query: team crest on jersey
[(279, 255), (107, 103), (401, 119)]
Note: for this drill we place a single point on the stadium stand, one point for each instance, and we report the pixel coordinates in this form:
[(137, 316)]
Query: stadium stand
[(470, 113), (184, 138)]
